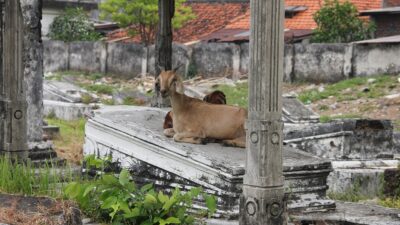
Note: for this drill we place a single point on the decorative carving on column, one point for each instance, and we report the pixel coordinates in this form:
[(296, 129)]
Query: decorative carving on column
[(263, 199)]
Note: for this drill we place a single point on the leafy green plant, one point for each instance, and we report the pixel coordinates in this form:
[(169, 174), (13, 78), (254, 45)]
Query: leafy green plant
[(73, 25), (339, 23), (121, 201), (141, 16)]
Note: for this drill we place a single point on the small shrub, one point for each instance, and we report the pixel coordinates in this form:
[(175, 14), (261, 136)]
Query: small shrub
[(86, 98), (120, 201), (108, 101), (192, 70), (339, 23), (73, 25)]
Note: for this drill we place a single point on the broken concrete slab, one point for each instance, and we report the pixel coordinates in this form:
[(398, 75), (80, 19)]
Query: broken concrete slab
[(66, 110), (364, 177), (65, 92), (345, 214), (134, 137), (344, 139), (296, 112), (351, 213)]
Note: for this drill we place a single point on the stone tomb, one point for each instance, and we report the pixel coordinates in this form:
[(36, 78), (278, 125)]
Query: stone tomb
[(133, 136)]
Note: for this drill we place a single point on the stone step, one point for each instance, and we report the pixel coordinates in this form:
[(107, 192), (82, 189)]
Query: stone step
[(345, 213), (363, 177), (133, 136), (51, 131)]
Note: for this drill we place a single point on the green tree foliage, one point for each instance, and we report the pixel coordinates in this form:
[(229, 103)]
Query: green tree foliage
[(339, 23), (73, 25), (141, 16)]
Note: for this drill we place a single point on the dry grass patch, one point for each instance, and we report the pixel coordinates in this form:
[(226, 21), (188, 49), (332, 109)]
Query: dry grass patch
[(69, 143)]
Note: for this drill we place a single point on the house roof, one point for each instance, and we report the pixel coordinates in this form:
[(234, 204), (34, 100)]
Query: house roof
[(231, 16), (86, 4), (373, 12), (391, 39), (209, 18), (303, 19)]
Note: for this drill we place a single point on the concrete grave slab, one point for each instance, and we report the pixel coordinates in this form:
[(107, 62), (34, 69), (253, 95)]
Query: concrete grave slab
[(133, 136), (350, 139), (64, 92)]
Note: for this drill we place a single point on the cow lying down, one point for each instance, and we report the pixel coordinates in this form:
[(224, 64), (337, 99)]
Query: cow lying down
[(196, 121)]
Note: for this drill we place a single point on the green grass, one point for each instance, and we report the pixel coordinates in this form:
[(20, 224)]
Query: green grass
[(23, 178), (236, 95), (352, 194), (91, 76), (69, 143), (131, 101), (99, 88), (326, 119), (390, 202), (351, 89)]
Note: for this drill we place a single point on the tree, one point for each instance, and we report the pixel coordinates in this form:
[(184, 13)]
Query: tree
[(339, 23), (141, 16), (73, 25)]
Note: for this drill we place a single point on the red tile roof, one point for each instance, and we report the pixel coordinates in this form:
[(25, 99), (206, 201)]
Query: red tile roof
[(305, 19), (211, 17)]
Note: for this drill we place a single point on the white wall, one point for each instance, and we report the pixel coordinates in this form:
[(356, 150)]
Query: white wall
[(48, 16)]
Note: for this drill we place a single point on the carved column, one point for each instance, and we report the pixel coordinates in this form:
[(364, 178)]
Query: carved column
[(263, 200), (13, 95)]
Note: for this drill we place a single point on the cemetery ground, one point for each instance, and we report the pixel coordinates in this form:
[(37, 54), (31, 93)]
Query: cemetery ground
[(374, 97)]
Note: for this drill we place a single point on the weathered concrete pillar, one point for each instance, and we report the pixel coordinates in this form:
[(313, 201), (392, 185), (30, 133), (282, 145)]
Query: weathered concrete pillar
[(13, 93), (263, 194), (33, 67), (21, 76)]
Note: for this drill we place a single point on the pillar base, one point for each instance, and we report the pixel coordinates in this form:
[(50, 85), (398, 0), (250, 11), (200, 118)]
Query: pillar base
[(260, 206), (42, 153)]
